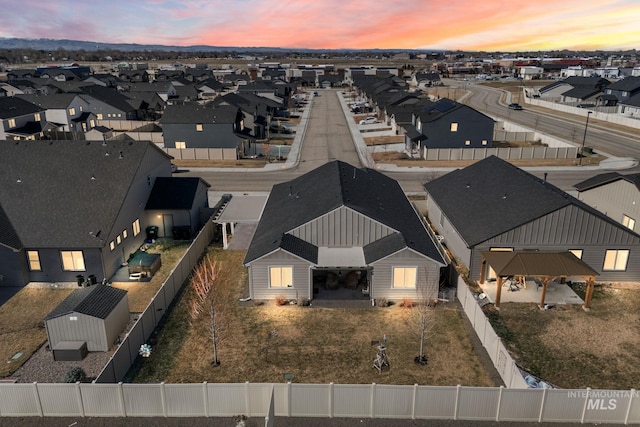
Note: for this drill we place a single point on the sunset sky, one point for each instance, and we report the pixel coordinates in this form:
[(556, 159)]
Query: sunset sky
[(493, 25)]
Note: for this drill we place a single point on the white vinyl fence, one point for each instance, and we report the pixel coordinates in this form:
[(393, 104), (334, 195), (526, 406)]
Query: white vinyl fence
[(319, 400), (125, 355), (506, 153)]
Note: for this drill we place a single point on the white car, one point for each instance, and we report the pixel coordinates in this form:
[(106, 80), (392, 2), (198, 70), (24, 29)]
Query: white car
[(368, 121)]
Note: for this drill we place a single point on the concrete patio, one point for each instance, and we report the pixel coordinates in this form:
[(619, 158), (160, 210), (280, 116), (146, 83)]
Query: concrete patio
[(557, 293)]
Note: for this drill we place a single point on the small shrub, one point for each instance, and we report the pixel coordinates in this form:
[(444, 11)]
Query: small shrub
[(281, 300), (75, 374), (406, 303), (382, 302)]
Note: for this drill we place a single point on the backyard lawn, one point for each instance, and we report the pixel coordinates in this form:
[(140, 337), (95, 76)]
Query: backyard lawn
[(264, 342), (22, 329), (571, 348)]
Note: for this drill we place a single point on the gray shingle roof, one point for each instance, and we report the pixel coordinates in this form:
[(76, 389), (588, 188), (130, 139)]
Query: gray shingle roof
[(329, 187), (606, 178), (58, 100), (96, 301), (173, 193), (195, 113), (493, 196), (55, 192), (11, 106)]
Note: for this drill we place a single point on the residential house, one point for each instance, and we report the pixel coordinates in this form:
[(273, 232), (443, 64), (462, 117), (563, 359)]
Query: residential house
[(313, 239), (492, 205), (195, 126), (194, 74), (614, 194), (178, 206), (9, 90), (210, 88), (631, 106), (258, 112), (70, 208), (20, 119), (109, 104), (574, 90), (624, 89), (425, 80), (68, 112), (449, 124)]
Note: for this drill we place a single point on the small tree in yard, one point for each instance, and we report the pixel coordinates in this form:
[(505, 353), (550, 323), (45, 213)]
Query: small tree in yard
[(208, 302), (423, 318)]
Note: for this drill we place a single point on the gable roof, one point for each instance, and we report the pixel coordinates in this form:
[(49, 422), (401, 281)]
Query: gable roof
[(95, 301), (366, 191), (174, 193), (11, 106), (492, 196), (195, 113), (109, 96), (54, 101), (628, 84), (442, 107), (606, 178), (55, 192)]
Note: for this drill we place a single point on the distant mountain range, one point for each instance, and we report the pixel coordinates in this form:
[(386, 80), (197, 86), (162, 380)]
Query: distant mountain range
[(74, 45)]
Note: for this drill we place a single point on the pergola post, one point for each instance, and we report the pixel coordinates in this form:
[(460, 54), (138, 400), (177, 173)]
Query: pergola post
[(587, 297), (483, 270), (499, 282)]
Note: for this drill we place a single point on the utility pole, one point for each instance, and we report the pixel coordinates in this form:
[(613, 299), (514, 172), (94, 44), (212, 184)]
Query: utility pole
[(584, 137)]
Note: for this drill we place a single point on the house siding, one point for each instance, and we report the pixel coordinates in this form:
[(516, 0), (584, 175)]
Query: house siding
[(116, 322), (212, 135), (382, 276), (13, 266), (452, 240), (259, 276), (473, 126), (570, 228), (615, 200), (342, 227)]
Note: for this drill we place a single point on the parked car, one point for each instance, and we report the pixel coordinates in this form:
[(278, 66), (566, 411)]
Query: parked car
[(368, 120), (515, 106), (174, 168)]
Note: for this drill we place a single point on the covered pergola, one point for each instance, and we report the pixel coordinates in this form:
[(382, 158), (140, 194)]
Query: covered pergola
[(544, 266)]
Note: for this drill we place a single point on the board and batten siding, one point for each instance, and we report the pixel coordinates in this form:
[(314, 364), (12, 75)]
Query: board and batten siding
[(570, 228), (615, 199), (382, 278), (342, 227), (259, 276)]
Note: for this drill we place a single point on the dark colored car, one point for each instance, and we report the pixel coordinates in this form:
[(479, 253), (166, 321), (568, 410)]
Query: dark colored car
[(515, 107)]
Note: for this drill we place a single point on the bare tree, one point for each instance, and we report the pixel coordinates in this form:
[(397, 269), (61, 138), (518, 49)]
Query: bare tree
[(208, 302), (423, 316), (266, 149)]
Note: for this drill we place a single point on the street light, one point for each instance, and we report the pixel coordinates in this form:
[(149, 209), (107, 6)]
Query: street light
[(584, 137)]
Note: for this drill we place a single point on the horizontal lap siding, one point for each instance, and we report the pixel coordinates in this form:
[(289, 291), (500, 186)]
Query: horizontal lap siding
[(342, 227), (382, 280), (571, 228), (259, 272), (452, 240)]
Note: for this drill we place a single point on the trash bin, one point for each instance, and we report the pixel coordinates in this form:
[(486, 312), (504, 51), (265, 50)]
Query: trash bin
[(92, 279), (152, 232), (80, 279)]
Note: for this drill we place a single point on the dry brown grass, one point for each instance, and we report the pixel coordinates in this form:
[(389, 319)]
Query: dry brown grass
[(22, 324), (242, 163), (140, 294), (575, 349), (381, 140), (315, 345)]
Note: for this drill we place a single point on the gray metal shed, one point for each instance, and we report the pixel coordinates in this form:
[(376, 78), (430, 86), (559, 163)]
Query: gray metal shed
[(95, 315)]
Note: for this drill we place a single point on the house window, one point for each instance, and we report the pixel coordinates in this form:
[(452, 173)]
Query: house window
[(280, 277), (112, 245), (124, 234), (467, 142), (441, 219), (73, 317), (136, 227), (576, 252), (11, 123), (81, 108), (484, 142), (92, 123), (616, 260), (454, 127), (404, 277), (34, 260), (199, 127), (36, 117), (108, 114), (84, 127), (118, 240), (119, 114), (72, 111), (628, 222), (72, 260), (181, 145), (99, 116)]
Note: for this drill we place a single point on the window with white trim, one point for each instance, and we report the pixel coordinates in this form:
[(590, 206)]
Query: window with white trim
[(118, 239), (199, 127), (454, 127), (405, 277), (484, 142), (112, 245), (34, 260), (72, 260), (72, 111), (467, 142), (99, 116), (280, 277), (11, 123), (628, 222), (36, 117), (124, 234), (616, 259), (136, 227), (181, 145)]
